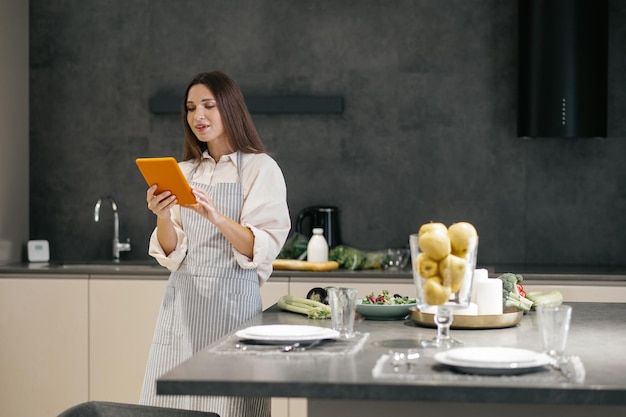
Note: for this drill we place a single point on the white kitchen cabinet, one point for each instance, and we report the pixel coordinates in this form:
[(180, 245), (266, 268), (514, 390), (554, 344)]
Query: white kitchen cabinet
[(77, 337), (289, 407), (43, 348), (298, 407), (273, 289), (588, 292), (123, 313), (581, 291)]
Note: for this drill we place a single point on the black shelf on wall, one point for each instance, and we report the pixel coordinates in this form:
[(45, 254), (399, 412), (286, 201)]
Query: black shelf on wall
[(262, 104)]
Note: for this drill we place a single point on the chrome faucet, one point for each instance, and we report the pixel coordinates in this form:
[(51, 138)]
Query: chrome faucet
[(117, 246)]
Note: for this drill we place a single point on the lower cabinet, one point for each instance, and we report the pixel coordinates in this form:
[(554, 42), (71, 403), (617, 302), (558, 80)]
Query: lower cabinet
[(44, 361), (289, 407), (122, 315), (70, 339), (587, 292), (273, 289), (66, 340)]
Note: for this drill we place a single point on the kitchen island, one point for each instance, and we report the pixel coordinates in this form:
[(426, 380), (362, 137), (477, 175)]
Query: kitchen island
[(338, 384)]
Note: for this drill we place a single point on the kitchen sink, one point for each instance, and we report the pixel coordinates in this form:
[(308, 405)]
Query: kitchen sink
[(105, 265)]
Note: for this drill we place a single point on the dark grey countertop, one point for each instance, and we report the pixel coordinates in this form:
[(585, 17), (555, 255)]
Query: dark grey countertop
[(82, 268), (150, 267), (597, 336), (609, 275)]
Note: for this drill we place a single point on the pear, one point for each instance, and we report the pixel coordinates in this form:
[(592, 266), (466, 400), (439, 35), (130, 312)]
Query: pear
[(434, 292), (428, 227), (452, 270), (461, 235), (427, 266), (435, 243)]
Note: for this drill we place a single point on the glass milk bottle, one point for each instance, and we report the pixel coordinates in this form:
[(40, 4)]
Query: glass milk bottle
[(317, 249)]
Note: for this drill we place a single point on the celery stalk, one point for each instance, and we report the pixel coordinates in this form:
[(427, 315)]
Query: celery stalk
[(538, 298), (311, 308)]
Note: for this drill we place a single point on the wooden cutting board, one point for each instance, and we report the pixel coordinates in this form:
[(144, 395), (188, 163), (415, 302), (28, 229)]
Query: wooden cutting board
[(295, 265)]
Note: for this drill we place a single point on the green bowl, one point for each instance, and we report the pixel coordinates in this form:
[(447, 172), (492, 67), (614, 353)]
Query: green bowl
[(383, 311)]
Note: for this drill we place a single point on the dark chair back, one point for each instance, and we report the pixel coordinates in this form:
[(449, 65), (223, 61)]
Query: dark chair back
[(111, 409)]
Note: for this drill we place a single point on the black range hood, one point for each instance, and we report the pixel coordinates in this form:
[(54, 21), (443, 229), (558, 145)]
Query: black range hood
[(563, 64)]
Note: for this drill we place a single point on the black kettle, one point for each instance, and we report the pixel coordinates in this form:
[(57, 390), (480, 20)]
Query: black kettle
[(323, 217)]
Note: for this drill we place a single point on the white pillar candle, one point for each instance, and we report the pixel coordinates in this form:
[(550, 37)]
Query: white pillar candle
[(470, 310), (479, 275), (430, 309), (489, 296)]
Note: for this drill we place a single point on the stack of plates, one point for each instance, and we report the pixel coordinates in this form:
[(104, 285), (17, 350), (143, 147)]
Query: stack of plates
[(286, 333), (493, 360)]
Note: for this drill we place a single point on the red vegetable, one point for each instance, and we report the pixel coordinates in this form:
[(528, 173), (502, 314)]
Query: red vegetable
[(520, 290)]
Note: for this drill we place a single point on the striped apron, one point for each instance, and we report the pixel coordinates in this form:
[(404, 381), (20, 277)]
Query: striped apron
[(207, 297)]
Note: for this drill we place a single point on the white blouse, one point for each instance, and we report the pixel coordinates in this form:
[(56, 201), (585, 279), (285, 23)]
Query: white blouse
[(264, 210)]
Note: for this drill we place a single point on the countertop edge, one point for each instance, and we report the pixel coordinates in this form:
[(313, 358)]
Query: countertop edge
[(585, 277), (566, 394)]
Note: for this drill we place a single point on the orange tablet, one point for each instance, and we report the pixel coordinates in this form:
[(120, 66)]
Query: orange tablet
[(166, 174)]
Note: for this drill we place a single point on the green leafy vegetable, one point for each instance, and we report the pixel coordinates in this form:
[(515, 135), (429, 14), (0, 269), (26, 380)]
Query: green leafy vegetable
[(293, 247), (510, 292), (353, 259), (347, 257), (374, 260), (384, 298)]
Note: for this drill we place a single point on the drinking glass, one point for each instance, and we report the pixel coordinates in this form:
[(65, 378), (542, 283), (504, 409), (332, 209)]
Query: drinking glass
[(342, 310), (456, 293), (554, 322)]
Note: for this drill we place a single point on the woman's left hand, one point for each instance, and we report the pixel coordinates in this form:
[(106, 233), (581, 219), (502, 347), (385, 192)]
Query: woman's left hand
[(204, 206)]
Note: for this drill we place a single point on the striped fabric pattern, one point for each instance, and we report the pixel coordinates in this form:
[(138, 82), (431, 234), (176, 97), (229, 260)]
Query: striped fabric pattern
[(209, 296)]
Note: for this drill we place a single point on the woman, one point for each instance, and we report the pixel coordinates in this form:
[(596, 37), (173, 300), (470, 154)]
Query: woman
[(220, 250)]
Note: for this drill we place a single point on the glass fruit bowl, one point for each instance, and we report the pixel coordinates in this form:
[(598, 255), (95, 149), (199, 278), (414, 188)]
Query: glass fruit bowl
[(443, 260)]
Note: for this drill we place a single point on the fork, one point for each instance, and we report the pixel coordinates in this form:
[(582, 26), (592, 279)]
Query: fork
[(299, 347), (293, 347)]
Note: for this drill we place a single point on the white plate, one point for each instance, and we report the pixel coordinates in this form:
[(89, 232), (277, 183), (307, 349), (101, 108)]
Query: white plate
[(285, 333), (492, 355), (493, 360)]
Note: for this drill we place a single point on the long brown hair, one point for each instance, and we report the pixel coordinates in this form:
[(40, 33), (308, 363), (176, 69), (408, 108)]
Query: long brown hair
[(236, 118)]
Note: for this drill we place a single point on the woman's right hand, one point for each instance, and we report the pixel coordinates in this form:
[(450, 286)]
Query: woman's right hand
[(160, 204)]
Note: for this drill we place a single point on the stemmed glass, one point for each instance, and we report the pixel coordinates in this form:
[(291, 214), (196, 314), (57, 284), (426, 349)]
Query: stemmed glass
[(444, 283)]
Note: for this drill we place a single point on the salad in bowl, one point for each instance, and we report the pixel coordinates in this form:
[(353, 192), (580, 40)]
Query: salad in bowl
[(385, 306)]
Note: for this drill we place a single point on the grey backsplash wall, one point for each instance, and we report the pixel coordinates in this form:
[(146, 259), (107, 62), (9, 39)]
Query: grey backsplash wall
[(428, 131)]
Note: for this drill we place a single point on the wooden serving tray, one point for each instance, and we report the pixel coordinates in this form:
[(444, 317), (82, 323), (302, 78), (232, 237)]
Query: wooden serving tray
[(295, 265), (511, 317)]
